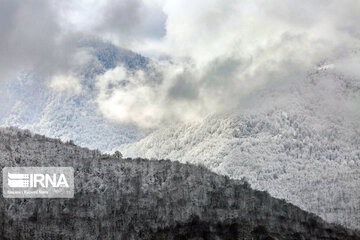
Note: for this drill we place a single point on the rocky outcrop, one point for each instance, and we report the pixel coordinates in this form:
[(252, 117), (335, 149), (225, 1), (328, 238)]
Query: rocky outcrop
[(145, 199)]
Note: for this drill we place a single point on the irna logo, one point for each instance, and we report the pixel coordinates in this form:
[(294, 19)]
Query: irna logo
[(38, 182), (18, 180)]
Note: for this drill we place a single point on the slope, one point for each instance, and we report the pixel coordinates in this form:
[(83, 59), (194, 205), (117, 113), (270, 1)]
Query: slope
[(142, 199), (29, 103), (297, 139)]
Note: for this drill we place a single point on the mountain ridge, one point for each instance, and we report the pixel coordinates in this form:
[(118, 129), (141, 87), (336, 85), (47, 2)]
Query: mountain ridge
[(298, 140), (142, 199), (28, 102)]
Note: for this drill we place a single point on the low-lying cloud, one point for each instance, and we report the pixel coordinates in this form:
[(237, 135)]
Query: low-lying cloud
[(206, 55), (224, 50)]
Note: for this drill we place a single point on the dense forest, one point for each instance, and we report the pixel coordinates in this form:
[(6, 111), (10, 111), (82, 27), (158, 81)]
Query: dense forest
[(119, 198)]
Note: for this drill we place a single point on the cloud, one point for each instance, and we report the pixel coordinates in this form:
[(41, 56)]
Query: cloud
[(222, 51), (125, 22), (184, 88), (121, 16), (43, 35), (124, 97), (208, 55), (229, 49), (65, 83), (33, 40)]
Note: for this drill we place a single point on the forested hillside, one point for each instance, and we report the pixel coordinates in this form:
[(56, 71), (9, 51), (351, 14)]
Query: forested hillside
[(299, 141), (141, 199)]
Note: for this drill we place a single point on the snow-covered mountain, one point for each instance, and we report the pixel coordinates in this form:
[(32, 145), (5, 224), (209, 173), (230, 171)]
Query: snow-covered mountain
[(298, 139), (141, 199), (29, 103)]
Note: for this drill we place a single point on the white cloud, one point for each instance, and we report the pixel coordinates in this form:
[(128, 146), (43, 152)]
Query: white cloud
[(124, 97), (127, 96), (65, 83), (227, 49), (218, 51)]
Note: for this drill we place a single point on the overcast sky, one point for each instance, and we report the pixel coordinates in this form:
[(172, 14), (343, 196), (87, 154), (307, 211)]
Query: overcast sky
[(219, 50)]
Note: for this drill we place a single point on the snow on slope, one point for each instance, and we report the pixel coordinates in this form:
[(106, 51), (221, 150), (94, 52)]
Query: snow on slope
[(142, 199), (299, 140), (27, 102)]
